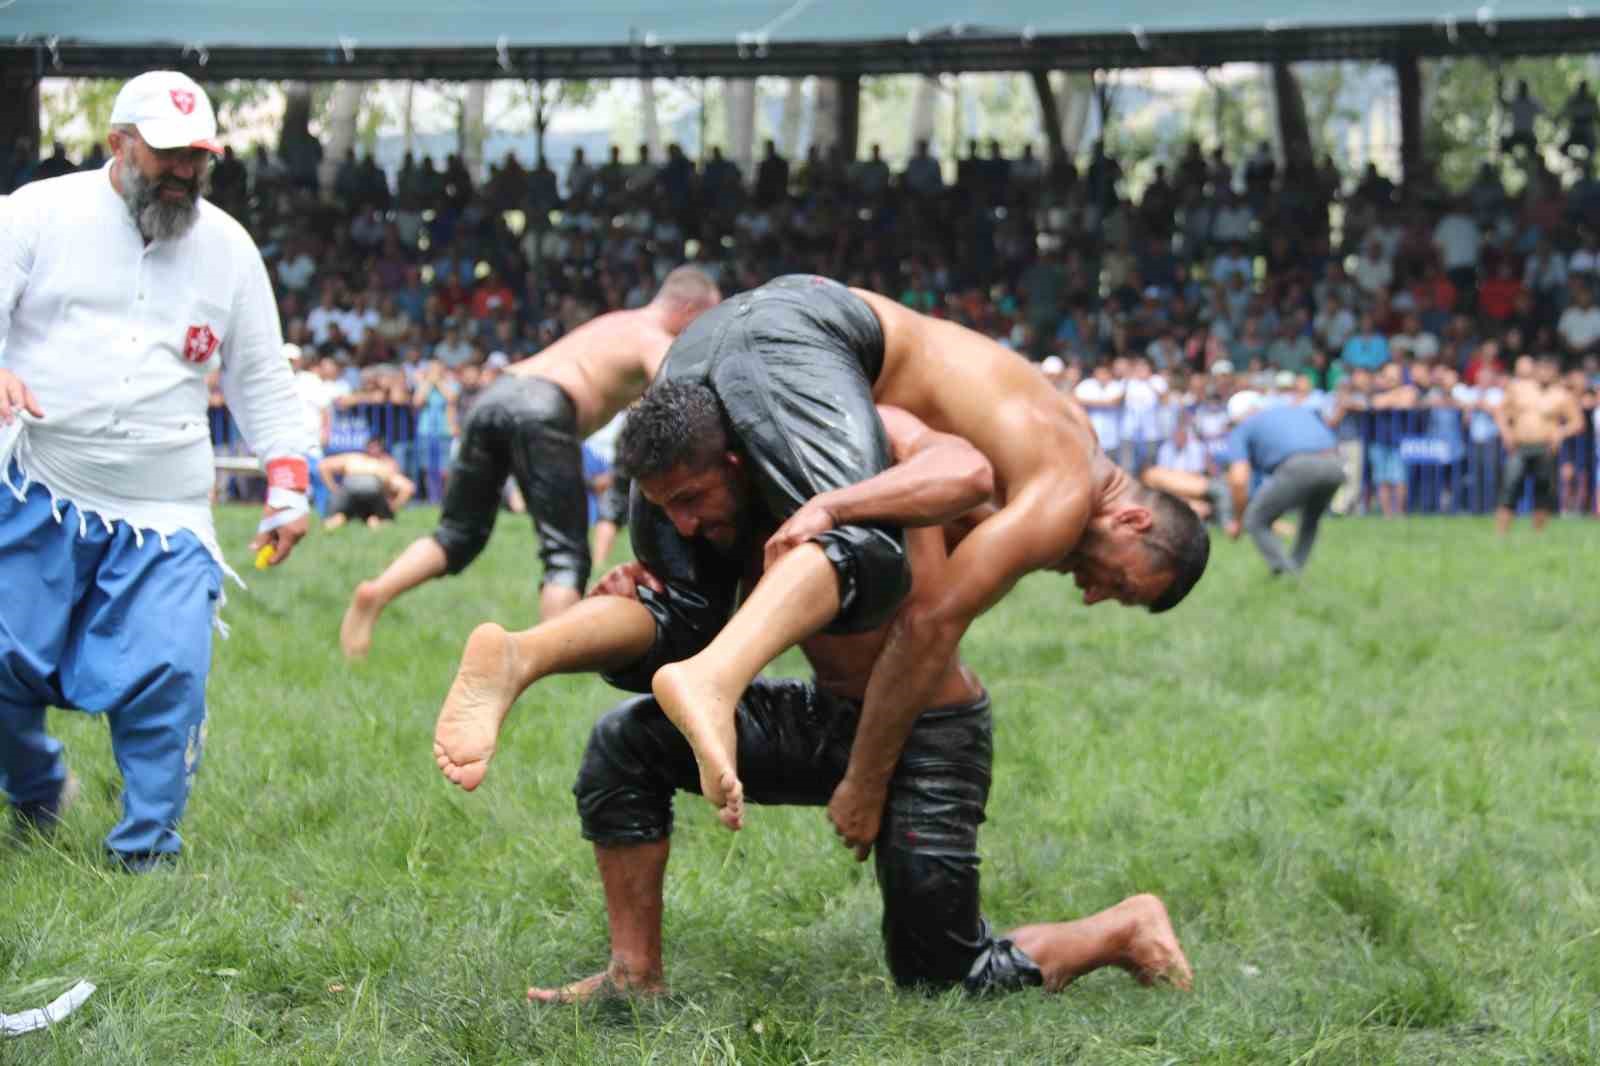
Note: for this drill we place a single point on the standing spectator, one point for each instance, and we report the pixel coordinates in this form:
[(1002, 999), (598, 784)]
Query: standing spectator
[(1479, 397), (1580, 112), (1142, 395), (435, 404), (772, 177), (922, 177), (1101, 396), (1523, 109), (1545, 275)]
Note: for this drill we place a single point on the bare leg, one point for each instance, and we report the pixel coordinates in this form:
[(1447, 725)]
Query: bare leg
[(632, 876), (553, 599), (1502, 520), (423, 561), (1540, 519), (791, 602), (598, 634), (605, 538), (1400, 499), (1136, 935)]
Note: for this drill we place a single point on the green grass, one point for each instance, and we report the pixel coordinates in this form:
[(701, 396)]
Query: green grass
[(1369, 799)]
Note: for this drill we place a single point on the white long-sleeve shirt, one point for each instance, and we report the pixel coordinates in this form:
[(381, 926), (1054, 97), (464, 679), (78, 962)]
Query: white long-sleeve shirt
[(116, 337)]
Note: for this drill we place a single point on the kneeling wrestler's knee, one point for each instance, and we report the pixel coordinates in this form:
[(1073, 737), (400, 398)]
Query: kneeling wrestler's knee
[(620, 801)]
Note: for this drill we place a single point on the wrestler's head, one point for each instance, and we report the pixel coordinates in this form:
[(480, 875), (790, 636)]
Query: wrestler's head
[(1149, 549), (685, 293), (676, 449), (1547, 370)]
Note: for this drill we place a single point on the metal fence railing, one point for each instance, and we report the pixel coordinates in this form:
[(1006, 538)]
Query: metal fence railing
[(1447, 460)]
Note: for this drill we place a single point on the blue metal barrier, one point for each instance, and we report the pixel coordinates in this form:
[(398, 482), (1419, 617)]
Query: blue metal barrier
[(1430, 451), (424, 461)]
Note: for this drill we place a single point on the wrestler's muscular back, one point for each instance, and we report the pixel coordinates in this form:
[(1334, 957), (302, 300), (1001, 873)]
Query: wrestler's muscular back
[(962, 383), (604, 365)]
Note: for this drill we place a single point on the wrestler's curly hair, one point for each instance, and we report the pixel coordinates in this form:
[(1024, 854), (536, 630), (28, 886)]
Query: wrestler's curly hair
[(676, 423), (1178, 541)]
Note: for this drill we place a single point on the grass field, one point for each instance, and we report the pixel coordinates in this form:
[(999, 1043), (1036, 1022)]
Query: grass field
[(1368, 798)]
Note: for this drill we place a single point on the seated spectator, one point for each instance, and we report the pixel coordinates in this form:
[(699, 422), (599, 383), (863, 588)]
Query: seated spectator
[(493, 298), (1291, 349), (1579, 327), (1373, 270), (453, 349), (1233, 262), (1367, 349), (1335, 323), (1413, 342), (1497, 295)]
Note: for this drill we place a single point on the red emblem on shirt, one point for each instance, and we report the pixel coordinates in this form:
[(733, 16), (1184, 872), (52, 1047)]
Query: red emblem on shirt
[(183, 100), (199, 343)]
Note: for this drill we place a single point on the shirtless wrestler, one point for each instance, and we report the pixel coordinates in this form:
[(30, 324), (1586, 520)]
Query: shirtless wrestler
[(1537, 415), (530, 424)]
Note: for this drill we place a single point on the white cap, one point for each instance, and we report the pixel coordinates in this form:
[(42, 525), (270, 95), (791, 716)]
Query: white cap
[(497, 360), (1053, 364), (169, 109), (1243, 404), (1222, 366), (291, 351)]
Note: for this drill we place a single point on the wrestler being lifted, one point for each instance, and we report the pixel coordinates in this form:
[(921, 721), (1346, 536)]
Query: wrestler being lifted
[(794, 737), (531, 424), (795, 367)]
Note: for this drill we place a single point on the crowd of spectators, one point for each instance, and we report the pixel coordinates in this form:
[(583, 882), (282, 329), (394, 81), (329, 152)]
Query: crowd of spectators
[(408, 292)]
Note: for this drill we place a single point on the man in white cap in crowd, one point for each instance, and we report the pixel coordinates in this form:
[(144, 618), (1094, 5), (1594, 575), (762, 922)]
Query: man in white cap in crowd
[(1298, 454), (120, 289)]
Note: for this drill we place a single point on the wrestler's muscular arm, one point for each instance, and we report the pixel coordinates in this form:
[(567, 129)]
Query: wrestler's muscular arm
[(924, 637), (1041, 451), (935, 478)]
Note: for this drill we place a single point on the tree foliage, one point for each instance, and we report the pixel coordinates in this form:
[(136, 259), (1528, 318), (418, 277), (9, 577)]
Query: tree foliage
[(1464, 122)]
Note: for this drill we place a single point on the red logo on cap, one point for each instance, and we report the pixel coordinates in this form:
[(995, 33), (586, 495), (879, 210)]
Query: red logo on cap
[(183, 100), (199, 343)]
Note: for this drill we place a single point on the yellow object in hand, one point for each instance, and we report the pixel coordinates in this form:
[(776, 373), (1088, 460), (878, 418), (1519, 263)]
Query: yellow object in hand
[(264, 556)]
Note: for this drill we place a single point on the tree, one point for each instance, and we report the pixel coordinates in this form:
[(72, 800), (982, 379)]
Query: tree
[(79, 115), (542, 99), (1465, 121)]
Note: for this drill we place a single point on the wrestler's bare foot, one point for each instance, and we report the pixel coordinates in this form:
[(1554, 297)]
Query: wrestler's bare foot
[(355, 631), (613, 981), (705, 716), (1153, 953), (485, 687), (335, 521)]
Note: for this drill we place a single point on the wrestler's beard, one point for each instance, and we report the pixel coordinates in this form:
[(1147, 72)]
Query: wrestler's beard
[(159, 219)]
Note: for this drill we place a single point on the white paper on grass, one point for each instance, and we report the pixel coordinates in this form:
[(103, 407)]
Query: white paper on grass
[(29, 1020)]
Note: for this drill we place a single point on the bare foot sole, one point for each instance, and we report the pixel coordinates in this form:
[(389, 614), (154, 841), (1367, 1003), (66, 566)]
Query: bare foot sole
[(483, 691), (355, 631), (1153, 953), (705, 718), (601, 986)]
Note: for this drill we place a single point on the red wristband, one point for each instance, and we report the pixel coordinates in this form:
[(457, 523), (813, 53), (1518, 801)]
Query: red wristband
[(291, 473)]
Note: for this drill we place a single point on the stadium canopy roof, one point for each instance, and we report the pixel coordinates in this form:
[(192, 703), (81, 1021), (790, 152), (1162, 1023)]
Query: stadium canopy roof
[(468, 39)]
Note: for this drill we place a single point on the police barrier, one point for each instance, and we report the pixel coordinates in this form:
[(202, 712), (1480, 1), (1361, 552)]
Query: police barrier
[(423, 458), (1448, 461)]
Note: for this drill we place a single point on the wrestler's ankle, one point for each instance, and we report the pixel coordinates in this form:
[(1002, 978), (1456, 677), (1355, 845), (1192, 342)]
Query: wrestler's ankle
[(634, 972)]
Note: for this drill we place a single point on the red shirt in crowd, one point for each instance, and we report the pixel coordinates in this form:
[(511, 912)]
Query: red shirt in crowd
[(491, 300), (1497, 297)]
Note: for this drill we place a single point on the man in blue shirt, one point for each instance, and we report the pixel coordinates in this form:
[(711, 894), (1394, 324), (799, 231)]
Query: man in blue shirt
[(1297, 453)]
